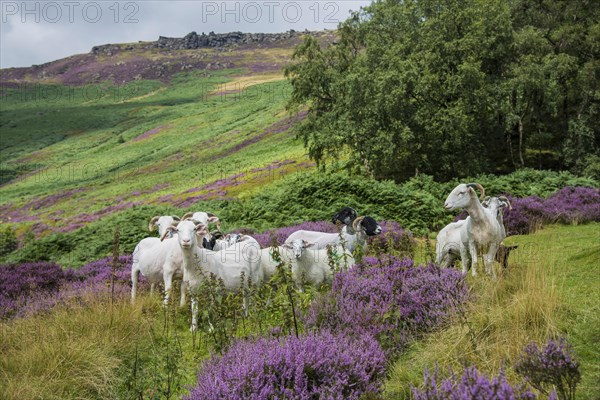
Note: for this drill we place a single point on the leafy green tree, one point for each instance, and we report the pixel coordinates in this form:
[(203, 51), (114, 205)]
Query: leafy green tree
[(452, 88)]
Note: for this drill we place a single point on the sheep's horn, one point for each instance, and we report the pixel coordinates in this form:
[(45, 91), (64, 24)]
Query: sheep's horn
[(481, 189), (164, 235), (188, 215), (175, 217), (152, 223), (356, 222), (504, 198)]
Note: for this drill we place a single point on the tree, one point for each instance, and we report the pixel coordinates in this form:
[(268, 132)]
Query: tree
[(451, 88)]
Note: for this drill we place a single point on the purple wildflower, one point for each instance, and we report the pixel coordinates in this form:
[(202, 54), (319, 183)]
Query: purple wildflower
[(389, 299), (321, 365), (470, 386), (552, 365)]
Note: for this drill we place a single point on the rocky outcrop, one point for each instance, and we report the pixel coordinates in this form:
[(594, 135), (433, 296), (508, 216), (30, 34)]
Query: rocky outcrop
[(194, 41)]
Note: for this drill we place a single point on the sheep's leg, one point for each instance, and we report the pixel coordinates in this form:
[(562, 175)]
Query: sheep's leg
[(134, 282), (152, 288), (474, 260), (489, 260), (168, 278), (464, 256), (194, 325), (183, 290)]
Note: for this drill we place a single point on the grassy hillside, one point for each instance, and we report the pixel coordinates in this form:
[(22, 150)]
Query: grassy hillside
[(551, 289), (138, 351), (201, 136)]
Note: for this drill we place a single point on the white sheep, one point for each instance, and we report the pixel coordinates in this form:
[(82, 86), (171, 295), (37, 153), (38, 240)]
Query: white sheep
[(481, 229), (158, 261), (228, 264), (313, 265), (269, 265), (448, 244), (351, 236), (150, 262), (205, 218), (162, 222), (496, 204), (229, 240)]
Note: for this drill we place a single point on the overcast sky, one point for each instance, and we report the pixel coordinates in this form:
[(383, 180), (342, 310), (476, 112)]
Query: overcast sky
[(35, 32)]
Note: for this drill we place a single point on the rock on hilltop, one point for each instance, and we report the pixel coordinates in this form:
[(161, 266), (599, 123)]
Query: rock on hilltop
[(161, 59)]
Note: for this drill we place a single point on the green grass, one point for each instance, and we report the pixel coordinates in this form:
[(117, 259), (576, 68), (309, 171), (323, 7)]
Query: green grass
[(90, 349), (72, 142), (551, 289)]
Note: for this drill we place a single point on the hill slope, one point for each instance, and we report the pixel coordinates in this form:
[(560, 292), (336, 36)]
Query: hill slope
[(211, 129)]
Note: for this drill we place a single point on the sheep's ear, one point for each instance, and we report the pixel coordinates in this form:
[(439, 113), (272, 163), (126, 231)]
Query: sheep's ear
[(307, 245), (175, 217), (287, 246)]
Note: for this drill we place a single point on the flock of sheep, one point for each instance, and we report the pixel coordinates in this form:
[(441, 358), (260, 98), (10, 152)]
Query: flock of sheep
[(187, 251)]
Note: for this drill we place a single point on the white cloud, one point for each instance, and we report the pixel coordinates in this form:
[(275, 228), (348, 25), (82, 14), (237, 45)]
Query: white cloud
[(36, 32)]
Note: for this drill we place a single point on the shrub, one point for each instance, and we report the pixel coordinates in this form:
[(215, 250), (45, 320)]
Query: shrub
[(568, 205), (33, 287), (320, 365), (573, 205), (526, 215), (389, 299), (19, 282), (551, 366), (471, 385), (8, 240), (392, 240)]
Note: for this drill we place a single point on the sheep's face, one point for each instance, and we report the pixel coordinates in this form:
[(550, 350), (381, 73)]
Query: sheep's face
[(297, 247), (370, 226), (458, 198), (162, 223), (496, 204), (187, 233), (345, 216)]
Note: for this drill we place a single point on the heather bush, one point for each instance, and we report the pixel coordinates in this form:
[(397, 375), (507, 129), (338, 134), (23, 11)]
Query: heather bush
[(392, 240), (34, 287), (471, 385), (574, 205), (319, 365), (390, 299), (19, 282), (568, 205), (550, 367), (527, 214)]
